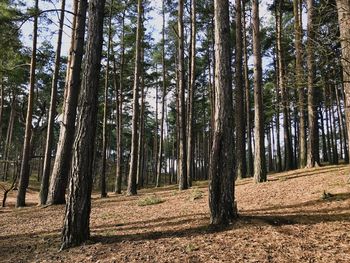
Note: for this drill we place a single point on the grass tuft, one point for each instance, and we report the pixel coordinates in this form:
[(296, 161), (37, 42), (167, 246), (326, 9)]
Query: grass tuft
[(150, 200)]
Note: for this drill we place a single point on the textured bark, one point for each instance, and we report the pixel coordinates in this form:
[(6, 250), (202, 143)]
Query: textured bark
[(76, 227), (181, 162), (9, 135), (259, 154), (342, 127), (250, 165), (311, 105), (239, 98), (299, 84), (221, 171), (160, 150), (192, 86), (132, 179), (343, 7), (61, 168), (26, 156), (44, 188), (119, 149), (105, 107)]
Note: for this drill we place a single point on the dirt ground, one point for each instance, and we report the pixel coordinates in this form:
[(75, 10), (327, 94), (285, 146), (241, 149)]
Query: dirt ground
[(299, 216)]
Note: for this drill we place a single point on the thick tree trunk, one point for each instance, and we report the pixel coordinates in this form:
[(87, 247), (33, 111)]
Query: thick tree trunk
[(221, 171), (299, 84), (132, 178), (76, 228), (44, 188), (61, 168), (192, 87), (26, 156), (311, 106), (259, 158), (239, 98), (250, 165), (105, 107), (343, 7), (181, 162)]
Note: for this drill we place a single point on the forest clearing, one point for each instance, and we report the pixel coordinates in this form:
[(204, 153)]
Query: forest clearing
[(297, 216)]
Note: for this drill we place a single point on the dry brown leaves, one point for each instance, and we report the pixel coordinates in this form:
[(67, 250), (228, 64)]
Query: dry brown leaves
[(283, 220)]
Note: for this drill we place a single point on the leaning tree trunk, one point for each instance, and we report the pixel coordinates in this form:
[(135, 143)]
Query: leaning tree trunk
[(221, 186), (76, 228), (343, 7), (132, 184), (192, 86), (44, 188), (105, 107), (311, 107), (181, 162), (61, 168), (259, 158), (240, 127), (26, 156)]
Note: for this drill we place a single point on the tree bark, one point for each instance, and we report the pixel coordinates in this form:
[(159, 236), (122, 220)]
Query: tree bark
[(222, 206), (311, 107), (343, 7), (240, 119), (26, 156), (259, 158), (44, 188), (76, 228), (181, 162), (61, 168), (105, 107), (132, 179)]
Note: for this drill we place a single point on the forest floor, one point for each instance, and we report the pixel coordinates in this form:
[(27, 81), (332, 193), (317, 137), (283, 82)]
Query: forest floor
[(299, 216)]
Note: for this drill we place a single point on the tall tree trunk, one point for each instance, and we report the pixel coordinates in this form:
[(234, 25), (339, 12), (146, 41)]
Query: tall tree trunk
[(132, 178), (44, 188), (9, 135), (61, 168), (311, 105), (160, 150), (105, 107), (299, 84), (259, 158), (1, 106), (181, 162), (76, 228), (343, 7), (288, 151), (119, 150), (141, 132), (221, 186), (26, 156), (191, 91), (239, 98), (250, 165), (342, 127)]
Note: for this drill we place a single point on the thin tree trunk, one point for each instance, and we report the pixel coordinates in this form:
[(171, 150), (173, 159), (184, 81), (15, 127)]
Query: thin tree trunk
[(26, 156), (250, 165), (76, 226), (181, 162), (105, 107), (44, 189), (9, 135), (160, 150), (61, 168), (142, 125), (132, 178), (221, 186), (119, 150), (239, 98), (299, 84), (342, 127), (259, 158), (192, 87)]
